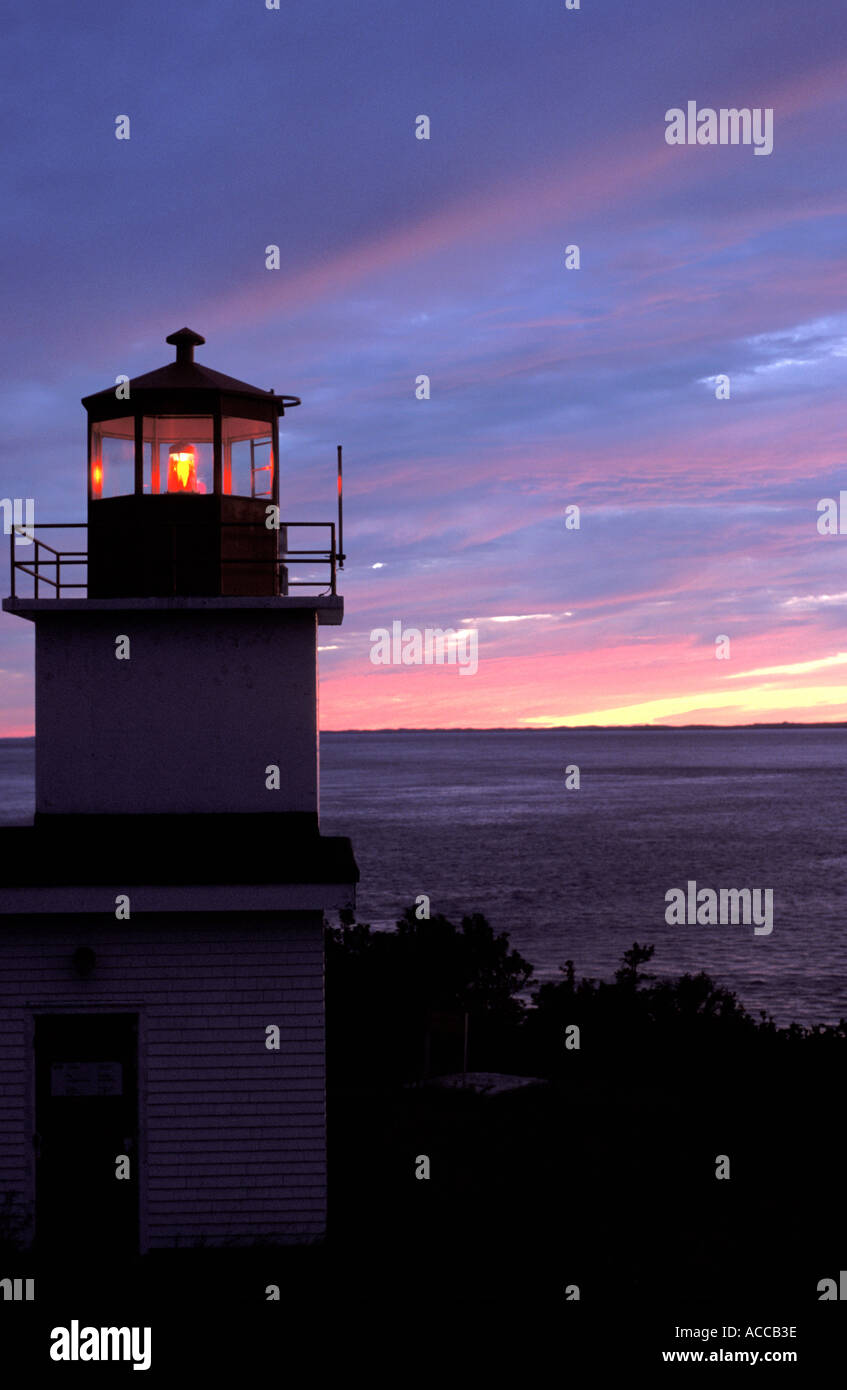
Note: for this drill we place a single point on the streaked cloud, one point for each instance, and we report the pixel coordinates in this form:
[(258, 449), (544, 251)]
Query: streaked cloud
[(549, 387), (511, 618), (747, 706), (795, 668)]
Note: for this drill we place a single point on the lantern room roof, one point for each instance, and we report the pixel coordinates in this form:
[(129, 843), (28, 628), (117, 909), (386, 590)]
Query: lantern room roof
[(185, 375)]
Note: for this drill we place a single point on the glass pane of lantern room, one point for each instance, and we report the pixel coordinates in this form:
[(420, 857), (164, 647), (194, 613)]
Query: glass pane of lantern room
[(178, 454), (113, 458), (248, 464)]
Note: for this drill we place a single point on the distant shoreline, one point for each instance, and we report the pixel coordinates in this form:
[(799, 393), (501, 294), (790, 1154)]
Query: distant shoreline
[(555, 729), (594, 728)]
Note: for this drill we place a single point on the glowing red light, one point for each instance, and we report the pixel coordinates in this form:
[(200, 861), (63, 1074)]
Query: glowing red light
[(182, 468)]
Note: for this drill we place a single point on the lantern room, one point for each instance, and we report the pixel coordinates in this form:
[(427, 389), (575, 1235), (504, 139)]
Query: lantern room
[(183, 471)]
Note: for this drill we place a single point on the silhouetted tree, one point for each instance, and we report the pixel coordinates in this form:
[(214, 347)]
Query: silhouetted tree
[(628, 973), (397, 1000), (389, 992)]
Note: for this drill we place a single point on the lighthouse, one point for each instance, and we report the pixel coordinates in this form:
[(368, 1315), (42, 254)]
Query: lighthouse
[(161, 996)]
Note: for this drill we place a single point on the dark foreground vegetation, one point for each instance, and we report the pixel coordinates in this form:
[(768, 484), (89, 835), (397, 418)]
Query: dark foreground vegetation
[(396, 1004), (600, 1173)]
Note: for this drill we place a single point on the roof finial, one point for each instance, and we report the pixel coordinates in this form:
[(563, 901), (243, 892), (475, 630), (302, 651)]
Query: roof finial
[(185, 341)]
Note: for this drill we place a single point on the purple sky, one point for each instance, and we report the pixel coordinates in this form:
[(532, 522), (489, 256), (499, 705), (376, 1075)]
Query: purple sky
[(446, 257)]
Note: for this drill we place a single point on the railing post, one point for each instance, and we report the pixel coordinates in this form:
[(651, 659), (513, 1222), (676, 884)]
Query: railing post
[(332, 555), (340, 514), (37, 568), (12, 557)]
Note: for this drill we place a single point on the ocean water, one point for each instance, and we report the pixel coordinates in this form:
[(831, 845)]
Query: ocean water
[(483, 822)]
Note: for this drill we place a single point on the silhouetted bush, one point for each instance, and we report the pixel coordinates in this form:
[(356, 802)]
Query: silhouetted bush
[(396, 1006), (396, 1001), (608, 1173)]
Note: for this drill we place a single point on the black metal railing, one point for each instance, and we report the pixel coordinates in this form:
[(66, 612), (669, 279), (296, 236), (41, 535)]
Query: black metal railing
[(38, 561), (44, 564)]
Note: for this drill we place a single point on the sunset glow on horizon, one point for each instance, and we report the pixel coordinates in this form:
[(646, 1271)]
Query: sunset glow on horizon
[(550, 388)]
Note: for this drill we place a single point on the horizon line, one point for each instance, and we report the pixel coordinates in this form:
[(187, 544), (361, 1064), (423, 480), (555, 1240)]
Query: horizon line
[(549, 728)]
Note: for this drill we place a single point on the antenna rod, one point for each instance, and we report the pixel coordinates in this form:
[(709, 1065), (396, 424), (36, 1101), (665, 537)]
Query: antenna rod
[(340, 516)]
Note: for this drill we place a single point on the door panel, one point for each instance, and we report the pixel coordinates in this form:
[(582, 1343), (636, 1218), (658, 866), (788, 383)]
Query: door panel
[(86, 1116)]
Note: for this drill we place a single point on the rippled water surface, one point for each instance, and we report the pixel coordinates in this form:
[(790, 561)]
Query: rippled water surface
[(482, 822)]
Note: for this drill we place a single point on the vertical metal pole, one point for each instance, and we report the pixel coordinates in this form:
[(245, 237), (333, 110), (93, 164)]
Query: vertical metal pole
[(340, 516), (12, 554), (275, 446)]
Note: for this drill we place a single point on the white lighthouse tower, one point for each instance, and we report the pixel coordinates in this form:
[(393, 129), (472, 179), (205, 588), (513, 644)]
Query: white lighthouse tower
[(161, 997)]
